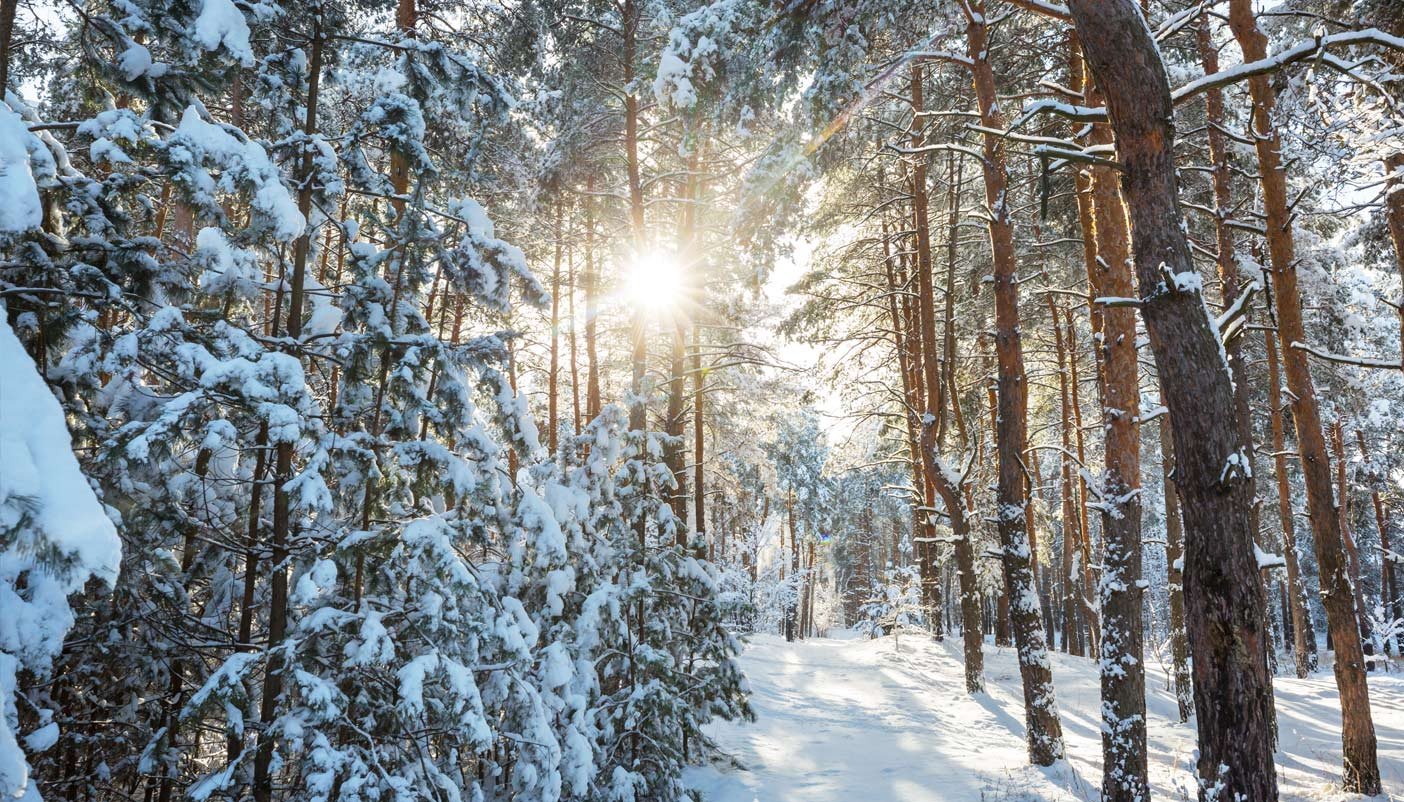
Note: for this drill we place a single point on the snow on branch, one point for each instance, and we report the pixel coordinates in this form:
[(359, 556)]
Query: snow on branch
[(1358, 361), (1302, 51)]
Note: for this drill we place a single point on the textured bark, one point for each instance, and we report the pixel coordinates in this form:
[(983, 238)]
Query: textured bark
[(932, 406), (1084, 529), (1175, 579), (1224, 602), (1390, 600), (1343, 508), (1044, 729), (1303, 632), (1072, 632), (553, 380), (699, 452), (1361, 773), (1119, 592), (571, 340), (1394, 216), (283, 468), (7, 34)]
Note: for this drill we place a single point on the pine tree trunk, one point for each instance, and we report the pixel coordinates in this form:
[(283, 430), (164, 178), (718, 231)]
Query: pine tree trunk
[(553, 380), (1390, 601), (1084, 528), (1223, 599), (1044, 729), (1174, 562), (592, 310), (1072, 641), (1394, 216), (1120, 592), (1303, 633), (282, 472), (1343, 510), (929, 350), (1361, 772)]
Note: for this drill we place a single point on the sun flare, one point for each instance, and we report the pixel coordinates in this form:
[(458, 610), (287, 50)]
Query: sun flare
[(655, 281)]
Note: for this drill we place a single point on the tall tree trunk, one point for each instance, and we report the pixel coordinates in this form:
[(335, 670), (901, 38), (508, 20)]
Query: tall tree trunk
[(1394, 216), (1084, 528), (1224, 601), (929, 349), (7, 35), (1045, 730), (553, 381), (1175, 579), (575, 419), (1303, 633), (283, 469), (1343, 509), (1120, 592), (1390, 600), (593, 402), (1361, 772), (1072, 640)]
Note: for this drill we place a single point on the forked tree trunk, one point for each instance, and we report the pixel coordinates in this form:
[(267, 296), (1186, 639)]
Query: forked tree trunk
[(1361, 773), (1044, 729), (1224, 601)]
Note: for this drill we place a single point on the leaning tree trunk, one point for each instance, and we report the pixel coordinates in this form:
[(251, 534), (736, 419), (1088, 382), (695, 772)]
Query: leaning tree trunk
[(1361, 773), (1045, 730), (1224, 601)]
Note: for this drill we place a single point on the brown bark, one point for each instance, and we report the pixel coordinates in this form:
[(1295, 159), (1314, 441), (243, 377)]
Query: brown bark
[(1120, 595), (1175, 579), (1044, 729), (7, 35), (575, 419), (1303, 632), (1224, 601), (1361, 772), (282, 472), (553, 381), (929, 350), (1072, 630), (593, 402), (1343, 510), (1390, 600), (1394, 216), (1084, 529)]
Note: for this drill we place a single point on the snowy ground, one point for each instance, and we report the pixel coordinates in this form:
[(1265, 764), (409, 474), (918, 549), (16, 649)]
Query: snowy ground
[(857, 721)]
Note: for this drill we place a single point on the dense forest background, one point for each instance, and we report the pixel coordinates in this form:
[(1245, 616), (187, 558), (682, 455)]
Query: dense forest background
[(417, 399)]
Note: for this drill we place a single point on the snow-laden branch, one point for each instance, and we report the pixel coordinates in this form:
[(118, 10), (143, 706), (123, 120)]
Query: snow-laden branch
[(1358, 361), (1302, 51)]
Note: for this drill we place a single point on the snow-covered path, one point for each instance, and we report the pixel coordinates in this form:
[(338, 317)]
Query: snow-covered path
[(859, 721)]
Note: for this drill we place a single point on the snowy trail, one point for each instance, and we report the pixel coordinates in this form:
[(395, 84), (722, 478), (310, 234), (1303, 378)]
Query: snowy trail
[(857, 721)]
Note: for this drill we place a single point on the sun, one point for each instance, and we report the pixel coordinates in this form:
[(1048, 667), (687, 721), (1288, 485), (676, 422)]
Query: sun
[(654, 282)]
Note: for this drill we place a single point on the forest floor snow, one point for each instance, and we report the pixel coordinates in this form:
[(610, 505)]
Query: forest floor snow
[(856, 720)]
